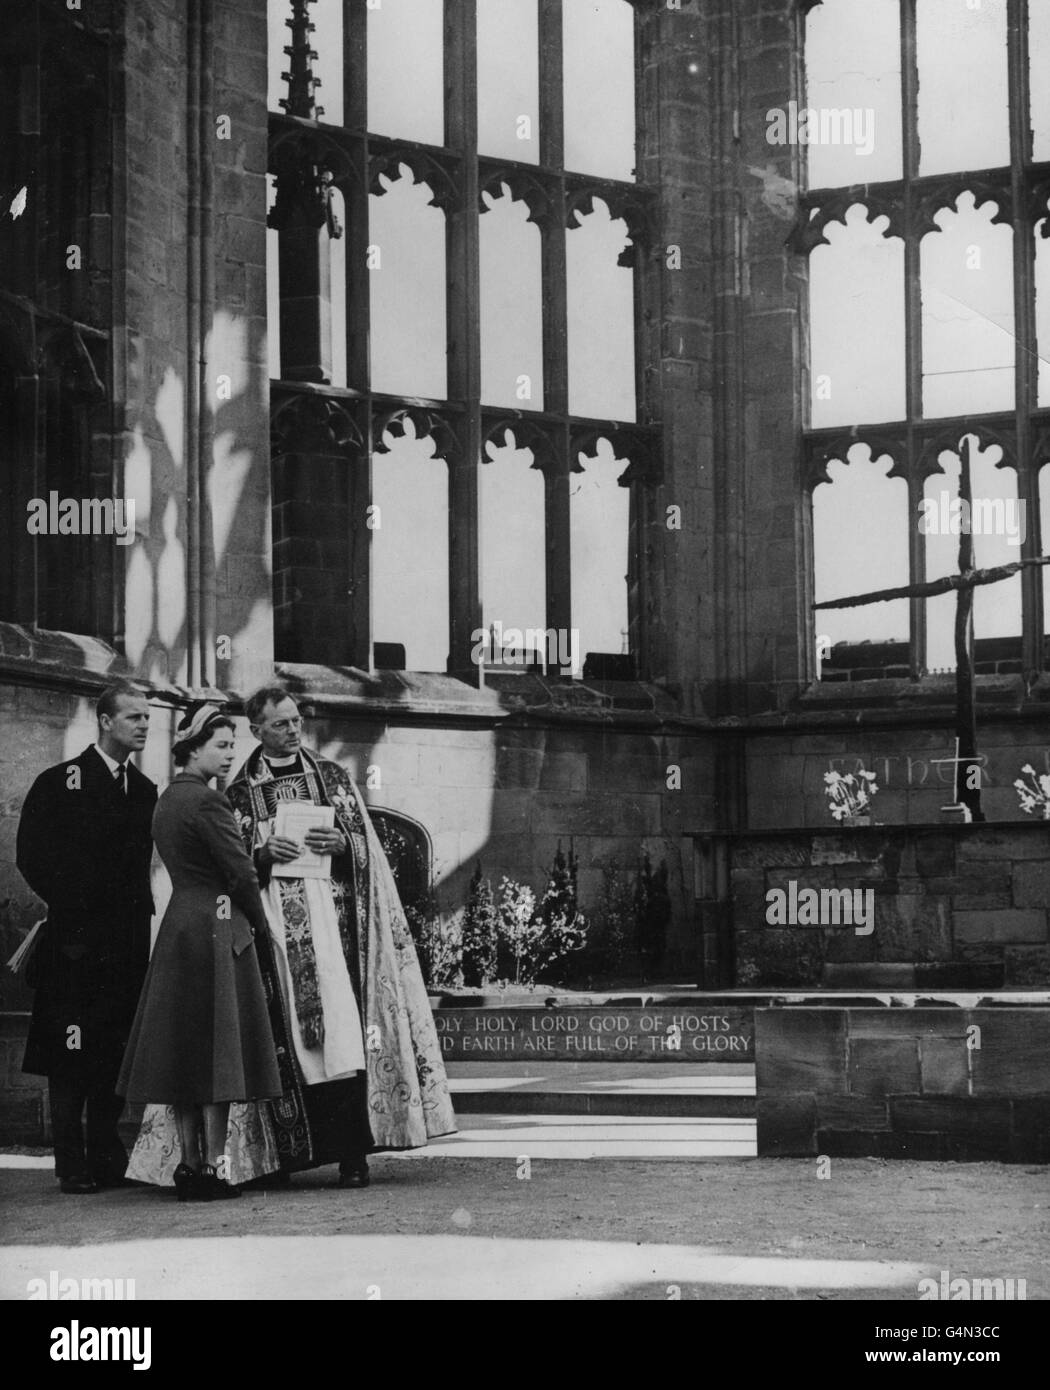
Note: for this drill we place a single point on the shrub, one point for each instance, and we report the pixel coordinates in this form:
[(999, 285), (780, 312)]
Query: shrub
[(518, 931), (439, 944), (534, 938), (610, 942), (480, 936), (652, 913)]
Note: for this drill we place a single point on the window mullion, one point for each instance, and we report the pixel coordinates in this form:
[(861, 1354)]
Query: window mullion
[(463, 313), (1025, 347), (355, 65), (358, 376), (912, 317), (554, 275)]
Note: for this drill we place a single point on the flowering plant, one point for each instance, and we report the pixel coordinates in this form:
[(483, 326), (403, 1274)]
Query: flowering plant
[(439, 944), (849, 796), (1034, 795)]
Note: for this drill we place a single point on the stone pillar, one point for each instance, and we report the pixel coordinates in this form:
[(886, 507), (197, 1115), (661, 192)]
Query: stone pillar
[(730, 587)]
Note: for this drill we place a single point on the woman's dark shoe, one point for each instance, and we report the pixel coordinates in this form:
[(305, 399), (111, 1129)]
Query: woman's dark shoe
[(216, 1189), (188, 1184)]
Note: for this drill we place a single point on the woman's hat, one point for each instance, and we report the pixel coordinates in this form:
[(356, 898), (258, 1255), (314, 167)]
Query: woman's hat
[(196, 720)]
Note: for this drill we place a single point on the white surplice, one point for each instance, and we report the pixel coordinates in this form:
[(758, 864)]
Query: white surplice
[(342, 1052)]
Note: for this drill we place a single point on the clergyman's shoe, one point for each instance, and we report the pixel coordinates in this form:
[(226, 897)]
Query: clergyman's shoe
[(216, 1189), (109, 1177), (353, 1174), (78, 1184)]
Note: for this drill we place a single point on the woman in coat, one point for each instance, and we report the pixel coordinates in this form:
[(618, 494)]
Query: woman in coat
[(201, 1036)]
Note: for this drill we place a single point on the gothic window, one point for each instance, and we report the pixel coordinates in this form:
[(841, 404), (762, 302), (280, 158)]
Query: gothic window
[(857, 366), (925, 139), (457, 248), (861, 485), (56, 445)]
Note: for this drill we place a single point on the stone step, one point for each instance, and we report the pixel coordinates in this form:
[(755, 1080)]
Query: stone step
[(624, 1105), (546, 1136), (609, 1089)]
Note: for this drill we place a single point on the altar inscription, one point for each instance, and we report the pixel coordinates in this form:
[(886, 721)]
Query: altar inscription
[(671, 1033), (932, 770)]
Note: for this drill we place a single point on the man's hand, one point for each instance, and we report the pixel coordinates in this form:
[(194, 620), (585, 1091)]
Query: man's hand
[(279, 851), (325, 841)]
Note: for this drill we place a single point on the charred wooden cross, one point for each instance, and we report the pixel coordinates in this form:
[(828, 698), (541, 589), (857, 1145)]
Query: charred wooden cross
[(967, 781)]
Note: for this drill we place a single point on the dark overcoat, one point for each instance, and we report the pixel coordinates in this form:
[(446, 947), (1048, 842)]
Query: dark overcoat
[(84, 847), (201, 1032)]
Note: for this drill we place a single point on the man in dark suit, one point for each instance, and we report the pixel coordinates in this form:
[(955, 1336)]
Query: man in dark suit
[(84, 847)]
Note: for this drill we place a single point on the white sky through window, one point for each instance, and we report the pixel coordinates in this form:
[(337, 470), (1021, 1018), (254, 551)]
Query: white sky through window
[(968, 312), (513, 577), (598, 519), (406, 70), (410, 551), (511, 307), (860, 544), (857, 323), (963, 103), (407, 284), (1039, 76), (853, 63), (598, 38), (508, 79)]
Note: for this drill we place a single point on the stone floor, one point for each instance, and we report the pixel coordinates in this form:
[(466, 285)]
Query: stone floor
[(437, 1225)]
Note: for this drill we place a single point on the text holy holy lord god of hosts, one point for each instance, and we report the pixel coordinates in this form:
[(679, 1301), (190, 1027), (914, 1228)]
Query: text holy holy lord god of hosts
[(596, 1033)]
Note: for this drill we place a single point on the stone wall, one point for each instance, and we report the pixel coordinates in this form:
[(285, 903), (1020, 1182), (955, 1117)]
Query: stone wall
[(910, 757), (927, 1083), (954, 907), (507, 797)]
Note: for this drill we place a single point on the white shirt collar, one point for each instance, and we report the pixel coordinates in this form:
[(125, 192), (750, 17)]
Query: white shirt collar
[(111, 763)]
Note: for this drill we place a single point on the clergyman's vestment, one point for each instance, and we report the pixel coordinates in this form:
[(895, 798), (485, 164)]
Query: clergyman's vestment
[(346, 992)]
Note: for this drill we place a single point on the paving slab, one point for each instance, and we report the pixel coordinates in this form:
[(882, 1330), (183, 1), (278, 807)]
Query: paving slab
[(576, 1137), (622, 1078)]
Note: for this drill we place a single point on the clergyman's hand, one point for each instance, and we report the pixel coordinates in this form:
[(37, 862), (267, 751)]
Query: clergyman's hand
[(325, 841), (279, 851)]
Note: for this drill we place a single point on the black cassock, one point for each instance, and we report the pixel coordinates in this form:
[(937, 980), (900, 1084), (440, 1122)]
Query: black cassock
[(84, 847)]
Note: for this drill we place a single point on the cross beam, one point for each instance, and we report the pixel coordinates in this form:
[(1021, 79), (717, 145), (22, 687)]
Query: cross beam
[(963, 584)]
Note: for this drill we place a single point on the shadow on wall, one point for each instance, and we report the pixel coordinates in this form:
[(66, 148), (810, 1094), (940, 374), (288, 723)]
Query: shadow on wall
[(236, 558), (508, 797)]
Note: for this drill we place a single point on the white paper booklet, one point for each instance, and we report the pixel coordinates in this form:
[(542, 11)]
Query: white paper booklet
[(291, 821), (28, 945)]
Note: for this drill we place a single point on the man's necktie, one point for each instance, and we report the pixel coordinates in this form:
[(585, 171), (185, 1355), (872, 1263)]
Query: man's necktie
[(118, 777)]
